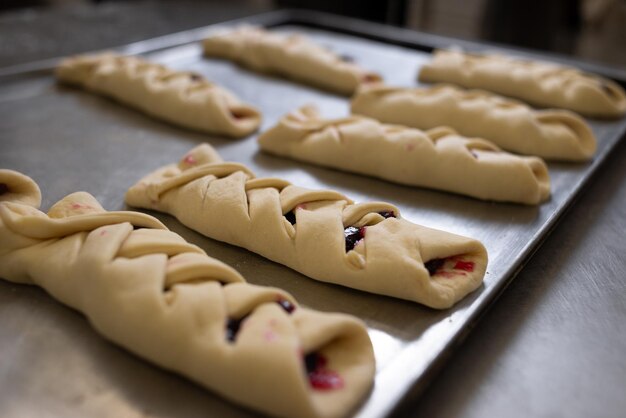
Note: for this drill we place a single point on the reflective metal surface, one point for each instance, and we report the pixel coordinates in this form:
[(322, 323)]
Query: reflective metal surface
[(68, 140)]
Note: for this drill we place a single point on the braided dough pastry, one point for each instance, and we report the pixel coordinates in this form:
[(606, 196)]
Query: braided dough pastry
[(536, 82), (513, 126), (146, 289), (439, 159), (183, 98), (291, 56), (319, 233)]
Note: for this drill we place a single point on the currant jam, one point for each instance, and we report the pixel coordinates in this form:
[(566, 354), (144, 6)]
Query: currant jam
[(353, 235)]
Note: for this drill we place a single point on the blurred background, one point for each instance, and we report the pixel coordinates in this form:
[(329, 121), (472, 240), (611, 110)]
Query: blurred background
[(592, 30)]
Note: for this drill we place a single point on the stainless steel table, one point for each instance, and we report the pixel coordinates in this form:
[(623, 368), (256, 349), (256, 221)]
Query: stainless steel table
[(552, 345)]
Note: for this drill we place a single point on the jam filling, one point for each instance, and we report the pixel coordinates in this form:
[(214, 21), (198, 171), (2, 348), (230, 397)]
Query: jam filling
[(4, 188), (286, 305), (437, 266), (291, 217), (387, 214), (464, 265), (352, 236), (233, 325), (319, 376), (433, 265)]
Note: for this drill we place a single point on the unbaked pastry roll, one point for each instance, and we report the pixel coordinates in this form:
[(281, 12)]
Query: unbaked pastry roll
[(438, 159), (291, 56), (536, 82), (146, 289), (511, 125), (320, 233), (183, 98)]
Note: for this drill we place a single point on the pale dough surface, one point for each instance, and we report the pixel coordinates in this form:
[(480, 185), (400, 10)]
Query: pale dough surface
[(226, 202), (148, 290), (183, 98), (291, 56), (511, 125), (536, 82), (438, 159)]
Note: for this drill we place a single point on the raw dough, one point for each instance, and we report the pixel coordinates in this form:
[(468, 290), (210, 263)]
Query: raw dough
[(146, 289), (292, 56), (512, 125), (319, 233), (183, 98), (439, 159), (536, 82)]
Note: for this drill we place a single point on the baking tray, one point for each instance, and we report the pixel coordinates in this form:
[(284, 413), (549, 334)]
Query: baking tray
[(52, 364)]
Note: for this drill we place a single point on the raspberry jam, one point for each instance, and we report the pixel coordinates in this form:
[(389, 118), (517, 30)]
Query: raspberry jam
[(4, 188), (464, 265), (320, 377)]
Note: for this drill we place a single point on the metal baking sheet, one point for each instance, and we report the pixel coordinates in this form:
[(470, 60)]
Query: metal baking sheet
[(52, 364)]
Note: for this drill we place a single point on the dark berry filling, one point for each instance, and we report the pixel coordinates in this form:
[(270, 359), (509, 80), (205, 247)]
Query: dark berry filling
[(320, 377), (387, 214), (233, 325), (464, 265), (232, 328), (195, 77), (4, 188), (286, 305), (353, 235), (433, 265), (291, 217)]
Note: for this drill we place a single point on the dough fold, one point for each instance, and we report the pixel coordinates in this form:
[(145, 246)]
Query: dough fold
[(182, 98), (322, 234), (511, 125), (291, 56), (536, 82), (148, 290), (438, 159)]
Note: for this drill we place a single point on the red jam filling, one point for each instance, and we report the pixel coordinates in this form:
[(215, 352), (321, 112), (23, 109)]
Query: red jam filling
[(4, 188), (189, 159), (437, 266), (320, 377), (464, 265)]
